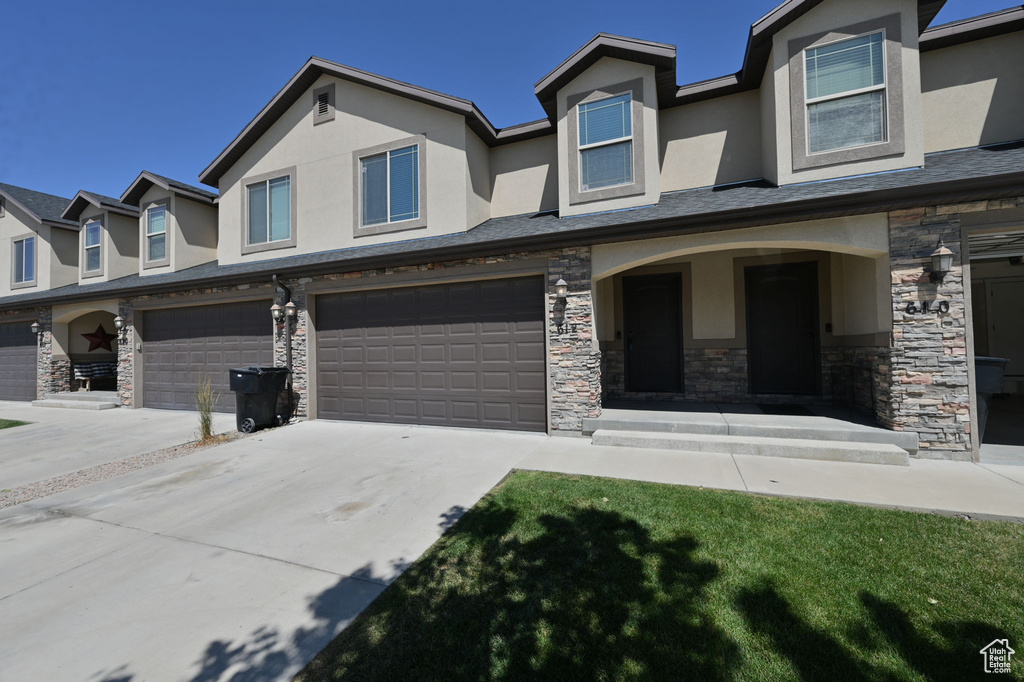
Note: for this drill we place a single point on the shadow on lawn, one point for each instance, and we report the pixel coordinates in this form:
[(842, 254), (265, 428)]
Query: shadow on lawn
[(950, 654), (591, 596)]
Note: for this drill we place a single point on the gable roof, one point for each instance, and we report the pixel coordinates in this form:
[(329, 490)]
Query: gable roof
[(661, 55), (146, 179), (44, 208), (83, 199)]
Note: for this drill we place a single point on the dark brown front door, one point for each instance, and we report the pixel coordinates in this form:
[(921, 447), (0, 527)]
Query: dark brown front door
[(181, 345), (782, 328), (467, 354), (652, 307), (17, 361)]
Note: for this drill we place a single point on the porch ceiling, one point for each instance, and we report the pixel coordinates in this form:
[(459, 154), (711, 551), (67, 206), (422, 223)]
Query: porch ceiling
[(1000, 245)]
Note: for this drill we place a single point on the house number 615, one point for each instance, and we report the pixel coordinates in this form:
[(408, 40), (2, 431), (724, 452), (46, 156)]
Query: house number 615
[(926, 307)]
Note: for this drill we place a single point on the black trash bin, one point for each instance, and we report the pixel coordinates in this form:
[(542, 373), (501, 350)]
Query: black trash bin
[(257, 393), (988, 379)]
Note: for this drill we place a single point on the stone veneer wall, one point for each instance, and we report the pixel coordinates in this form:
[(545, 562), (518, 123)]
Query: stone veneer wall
[(927, 388), (125, 356), (574, 365), (721, 375)]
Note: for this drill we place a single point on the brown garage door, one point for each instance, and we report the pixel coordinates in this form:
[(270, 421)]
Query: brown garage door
[(17, 361), (180, 345), (468, 354)]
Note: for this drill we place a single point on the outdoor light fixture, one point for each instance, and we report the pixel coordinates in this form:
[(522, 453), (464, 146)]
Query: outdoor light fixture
[(122, 332), (36, 328), (290, 311), (942, 262), (558, 309), (277, 312)]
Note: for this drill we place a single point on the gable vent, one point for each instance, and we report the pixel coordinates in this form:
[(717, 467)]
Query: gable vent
[(322, 104)]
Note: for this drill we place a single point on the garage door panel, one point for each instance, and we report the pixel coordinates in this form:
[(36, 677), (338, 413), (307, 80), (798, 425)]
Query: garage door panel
[(183, 345), (468, 354), (17, 361)]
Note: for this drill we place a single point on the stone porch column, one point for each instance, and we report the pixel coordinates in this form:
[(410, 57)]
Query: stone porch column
[(574, 363), (927, 383)]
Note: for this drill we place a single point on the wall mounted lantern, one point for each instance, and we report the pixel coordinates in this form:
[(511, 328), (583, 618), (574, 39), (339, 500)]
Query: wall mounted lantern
[(558, 309), (276, 312), (122, 331), (38, 331), (942, 262)]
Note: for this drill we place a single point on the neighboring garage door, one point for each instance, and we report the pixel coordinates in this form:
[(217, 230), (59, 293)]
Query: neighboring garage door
[(180, 345), (468, 354), (17, 361)]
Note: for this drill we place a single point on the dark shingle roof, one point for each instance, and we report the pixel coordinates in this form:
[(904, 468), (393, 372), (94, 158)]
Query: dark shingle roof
[(948, 177), (84, 198), (43, 206), (147, 179)]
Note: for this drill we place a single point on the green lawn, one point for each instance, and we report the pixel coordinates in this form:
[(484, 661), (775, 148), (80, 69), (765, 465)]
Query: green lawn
[(555, 577), (8, 423)]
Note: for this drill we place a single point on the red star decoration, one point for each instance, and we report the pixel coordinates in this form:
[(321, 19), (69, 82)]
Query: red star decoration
[(99, 339)]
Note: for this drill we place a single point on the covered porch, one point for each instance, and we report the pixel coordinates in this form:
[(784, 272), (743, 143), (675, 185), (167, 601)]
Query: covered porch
[(796, 315)]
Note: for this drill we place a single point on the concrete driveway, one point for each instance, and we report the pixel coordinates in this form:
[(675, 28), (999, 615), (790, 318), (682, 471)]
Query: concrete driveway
[(236, 562), (61, 441)]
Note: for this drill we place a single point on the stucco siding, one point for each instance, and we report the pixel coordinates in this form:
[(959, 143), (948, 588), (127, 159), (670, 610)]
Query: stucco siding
[(324, 156), (830, 16), (524, 177), (604, 73), (713, 142), (972, 94), (16, 223), (196, 240)]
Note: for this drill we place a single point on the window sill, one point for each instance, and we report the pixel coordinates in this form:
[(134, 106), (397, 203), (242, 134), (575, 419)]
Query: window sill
[(151, 264), (268, 246), (24, 285), (605, 193), (387, 228), (880, 150), (91, 273)]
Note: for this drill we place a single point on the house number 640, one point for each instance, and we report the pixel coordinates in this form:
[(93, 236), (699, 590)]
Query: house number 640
[(927, 307)]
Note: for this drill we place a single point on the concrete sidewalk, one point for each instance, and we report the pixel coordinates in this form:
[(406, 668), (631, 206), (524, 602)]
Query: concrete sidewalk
[(978, 490), (56, 442)]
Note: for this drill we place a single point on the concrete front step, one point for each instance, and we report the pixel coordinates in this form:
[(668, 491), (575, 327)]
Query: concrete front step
[(752, 425), (84, 396), (75, 404), (796, 448)]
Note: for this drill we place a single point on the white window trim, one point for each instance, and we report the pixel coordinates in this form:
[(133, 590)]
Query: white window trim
[(248, 247), (149, 235), (387, 155), (360, 230), (98, 246), (884, 87), (15, 282), (266, 183), (580, 148)]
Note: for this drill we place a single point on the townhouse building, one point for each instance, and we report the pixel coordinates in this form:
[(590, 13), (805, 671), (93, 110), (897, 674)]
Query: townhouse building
[(775, 236)]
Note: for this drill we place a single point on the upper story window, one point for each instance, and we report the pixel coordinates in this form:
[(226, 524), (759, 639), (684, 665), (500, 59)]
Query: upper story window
[(391, 181), (846, 93), (391, 186), (156, 233), (606, 142), (92, 231), (24, 269), (270, 210)]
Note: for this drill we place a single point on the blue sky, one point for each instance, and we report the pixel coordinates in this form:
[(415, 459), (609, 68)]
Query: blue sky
[(96, 92)]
